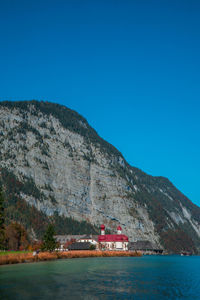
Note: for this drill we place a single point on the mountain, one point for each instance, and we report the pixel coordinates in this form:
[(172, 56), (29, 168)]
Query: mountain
[(54, 166)]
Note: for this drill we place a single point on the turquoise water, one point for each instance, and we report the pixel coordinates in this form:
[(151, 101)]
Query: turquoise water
[(148, 277)]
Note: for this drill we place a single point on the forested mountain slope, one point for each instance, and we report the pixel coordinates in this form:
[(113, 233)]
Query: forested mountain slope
[(55, 166)]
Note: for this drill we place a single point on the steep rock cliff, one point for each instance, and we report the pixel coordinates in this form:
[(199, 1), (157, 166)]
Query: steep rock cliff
[(64, 168)]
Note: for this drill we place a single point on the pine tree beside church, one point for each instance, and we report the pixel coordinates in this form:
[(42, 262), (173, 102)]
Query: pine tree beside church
[(49, 242)]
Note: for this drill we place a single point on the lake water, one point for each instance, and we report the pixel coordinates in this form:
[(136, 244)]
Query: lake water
[(148, 277)]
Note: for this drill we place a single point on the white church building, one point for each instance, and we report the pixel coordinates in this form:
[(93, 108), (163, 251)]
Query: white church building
[(117, 241)]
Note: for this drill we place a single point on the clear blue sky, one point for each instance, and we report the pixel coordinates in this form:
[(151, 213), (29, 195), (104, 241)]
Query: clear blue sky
[(132, 68)]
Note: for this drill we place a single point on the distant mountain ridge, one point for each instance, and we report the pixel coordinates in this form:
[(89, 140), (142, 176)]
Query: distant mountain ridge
[(62, 170)]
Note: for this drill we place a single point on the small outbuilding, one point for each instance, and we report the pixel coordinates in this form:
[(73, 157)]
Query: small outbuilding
[(80, 246), (146, 247), (93, 239)]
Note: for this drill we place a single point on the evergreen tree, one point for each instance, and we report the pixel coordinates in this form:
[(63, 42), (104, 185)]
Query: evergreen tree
[(49, 242), (2, 228)]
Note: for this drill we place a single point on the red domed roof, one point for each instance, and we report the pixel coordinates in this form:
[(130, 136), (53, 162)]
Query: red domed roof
[(113, 238), (102, 227), (119, 228), (102, 238)]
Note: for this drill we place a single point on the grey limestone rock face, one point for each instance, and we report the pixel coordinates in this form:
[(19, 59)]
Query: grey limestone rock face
[(76, 178)]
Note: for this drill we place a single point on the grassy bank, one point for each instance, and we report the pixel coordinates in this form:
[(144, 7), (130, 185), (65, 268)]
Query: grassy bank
[(13, 252), (16, 258)]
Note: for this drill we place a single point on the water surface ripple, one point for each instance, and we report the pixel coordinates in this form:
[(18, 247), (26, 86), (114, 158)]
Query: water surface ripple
[(148, 277)]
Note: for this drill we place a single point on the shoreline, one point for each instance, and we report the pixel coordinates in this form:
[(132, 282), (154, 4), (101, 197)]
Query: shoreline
[(9, 259)]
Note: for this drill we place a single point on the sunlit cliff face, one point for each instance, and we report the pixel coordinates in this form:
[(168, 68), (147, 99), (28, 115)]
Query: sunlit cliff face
[(76, 174)]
